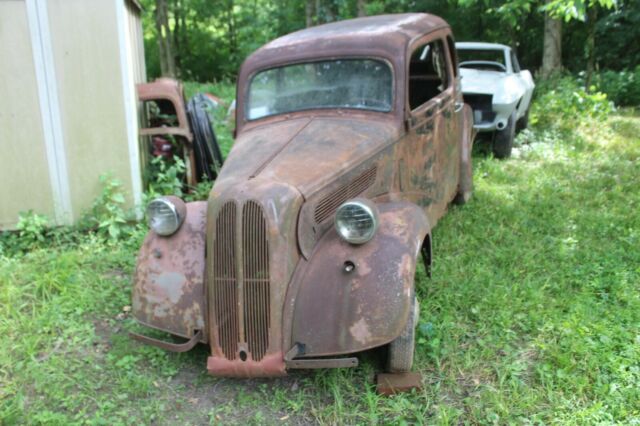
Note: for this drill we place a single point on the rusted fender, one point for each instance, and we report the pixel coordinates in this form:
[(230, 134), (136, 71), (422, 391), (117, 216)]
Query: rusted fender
[(339, 312), (168, 292)]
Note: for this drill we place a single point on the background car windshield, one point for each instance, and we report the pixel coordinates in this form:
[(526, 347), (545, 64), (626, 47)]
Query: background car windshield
[(344, 83), (465, 55)]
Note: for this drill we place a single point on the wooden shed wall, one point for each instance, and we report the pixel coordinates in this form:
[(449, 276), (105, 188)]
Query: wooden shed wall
[(70, 110)]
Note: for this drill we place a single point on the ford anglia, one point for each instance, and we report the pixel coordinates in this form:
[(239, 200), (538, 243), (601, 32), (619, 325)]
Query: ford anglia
[(352, 139)]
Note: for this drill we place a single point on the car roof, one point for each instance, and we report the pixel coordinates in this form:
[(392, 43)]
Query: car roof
[(480, 45), (388, 34)]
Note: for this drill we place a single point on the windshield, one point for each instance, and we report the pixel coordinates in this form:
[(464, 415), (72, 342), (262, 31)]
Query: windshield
[(341, 83)]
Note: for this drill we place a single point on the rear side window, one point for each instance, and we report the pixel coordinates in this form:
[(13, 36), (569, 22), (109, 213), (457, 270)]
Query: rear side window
[(428, 73), (514, 62)]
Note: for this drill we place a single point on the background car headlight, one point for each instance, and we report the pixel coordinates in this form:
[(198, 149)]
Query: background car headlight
[(165, 214), (357, 221)]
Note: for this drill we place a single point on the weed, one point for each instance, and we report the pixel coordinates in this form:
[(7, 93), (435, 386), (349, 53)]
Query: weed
[(107, 216)]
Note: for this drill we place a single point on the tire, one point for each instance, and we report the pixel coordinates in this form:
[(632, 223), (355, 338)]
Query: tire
[(208, 157), (400, 357), (523, 122), (503, 139)]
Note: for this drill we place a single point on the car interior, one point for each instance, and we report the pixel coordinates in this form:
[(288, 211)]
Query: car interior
[(427, 73)]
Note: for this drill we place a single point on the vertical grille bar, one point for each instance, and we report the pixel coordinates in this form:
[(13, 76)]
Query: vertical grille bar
[(225, 295), (255, 248)]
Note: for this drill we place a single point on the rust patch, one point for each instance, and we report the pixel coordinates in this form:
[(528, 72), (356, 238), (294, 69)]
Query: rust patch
[(360, 331)]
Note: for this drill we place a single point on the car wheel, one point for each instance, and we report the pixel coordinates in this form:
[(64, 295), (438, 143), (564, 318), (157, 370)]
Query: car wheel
[(400, 358), (523, 122), (503, 139)]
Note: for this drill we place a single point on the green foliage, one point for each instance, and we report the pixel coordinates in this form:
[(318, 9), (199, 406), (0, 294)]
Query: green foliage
[(32, 227), (562, 103), (166, 177), (107, 216), (622, 87), (200, 191), (617, 35), (575, 9)]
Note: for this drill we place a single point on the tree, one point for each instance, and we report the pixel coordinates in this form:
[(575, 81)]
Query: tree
[(552, 45), (165, 42), (568, 10), (362, 8)]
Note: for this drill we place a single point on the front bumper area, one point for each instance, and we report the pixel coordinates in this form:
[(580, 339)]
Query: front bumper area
[(272, 365)]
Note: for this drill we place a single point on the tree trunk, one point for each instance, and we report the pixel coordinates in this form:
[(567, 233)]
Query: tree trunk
[(552, 48), (165, 46), (177, 33), (362, 8), (591, 44), (308, 13), (231, 31)]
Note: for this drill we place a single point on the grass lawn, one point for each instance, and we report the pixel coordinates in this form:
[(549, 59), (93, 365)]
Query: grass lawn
[(532, 314)]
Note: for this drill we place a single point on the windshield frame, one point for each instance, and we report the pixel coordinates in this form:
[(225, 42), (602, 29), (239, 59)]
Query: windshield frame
[(254, 73)]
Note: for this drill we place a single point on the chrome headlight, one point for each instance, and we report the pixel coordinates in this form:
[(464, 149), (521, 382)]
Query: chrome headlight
[(165, 215), (357, 221)]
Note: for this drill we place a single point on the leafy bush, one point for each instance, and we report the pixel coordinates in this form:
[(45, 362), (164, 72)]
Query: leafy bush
[(623, 87), (32, 227), (563, 103), (165, 177), (107, 216)]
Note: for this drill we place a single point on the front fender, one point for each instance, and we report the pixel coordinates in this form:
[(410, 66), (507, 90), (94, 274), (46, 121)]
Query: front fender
[(337, 312), (168, 292)]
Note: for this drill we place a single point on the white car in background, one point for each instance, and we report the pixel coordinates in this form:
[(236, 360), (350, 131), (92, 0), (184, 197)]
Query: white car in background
[(497, 90)]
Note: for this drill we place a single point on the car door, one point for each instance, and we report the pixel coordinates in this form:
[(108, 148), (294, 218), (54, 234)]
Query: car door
[(425, 161)]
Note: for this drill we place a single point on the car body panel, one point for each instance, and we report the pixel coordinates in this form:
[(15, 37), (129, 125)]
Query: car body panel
[(169, 291), (336, 312)]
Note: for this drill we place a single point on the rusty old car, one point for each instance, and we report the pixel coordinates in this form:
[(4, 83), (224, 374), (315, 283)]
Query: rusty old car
[(352, 140)]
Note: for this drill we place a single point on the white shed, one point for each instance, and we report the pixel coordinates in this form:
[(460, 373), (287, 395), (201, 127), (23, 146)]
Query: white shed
[(68, 112)]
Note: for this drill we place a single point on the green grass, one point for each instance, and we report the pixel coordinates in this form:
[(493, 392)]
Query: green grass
[(532, 315)]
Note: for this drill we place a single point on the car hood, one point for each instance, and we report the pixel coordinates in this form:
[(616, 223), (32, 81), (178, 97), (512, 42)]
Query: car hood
[(307, 153), (505, 88)]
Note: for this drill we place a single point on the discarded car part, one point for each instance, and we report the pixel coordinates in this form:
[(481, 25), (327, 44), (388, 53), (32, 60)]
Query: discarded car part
[(168, 96), (169, 293), (169, 346), (394, 383), (166, 214), (208, 156), (380, 119), (162, 147), (496, 88)]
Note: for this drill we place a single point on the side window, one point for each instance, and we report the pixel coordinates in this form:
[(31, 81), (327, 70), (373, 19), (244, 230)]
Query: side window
[(514, 62), (428, 73), (452, 54)]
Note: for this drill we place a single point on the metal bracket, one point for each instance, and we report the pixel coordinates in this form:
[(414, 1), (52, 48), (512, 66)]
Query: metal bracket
[(299, 348), (173, 347), (322, 363)]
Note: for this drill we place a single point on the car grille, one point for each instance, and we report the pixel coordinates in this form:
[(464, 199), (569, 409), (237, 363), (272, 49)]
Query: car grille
[(243, 277)]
